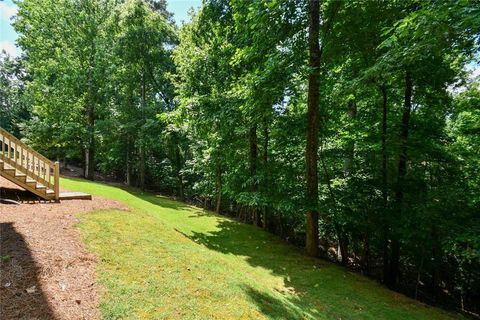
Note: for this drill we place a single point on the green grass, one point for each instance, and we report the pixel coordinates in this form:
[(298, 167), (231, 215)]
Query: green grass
[(166, 260)]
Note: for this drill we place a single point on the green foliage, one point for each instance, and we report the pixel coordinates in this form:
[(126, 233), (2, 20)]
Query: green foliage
[(14, 103), (215, 113)]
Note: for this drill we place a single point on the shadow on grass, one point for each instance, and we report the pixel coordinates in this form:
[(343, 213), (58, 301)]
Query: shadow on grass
[(21, 295), (303, 299), (276, 308), (311, 288), (267, 251), (156, 199)]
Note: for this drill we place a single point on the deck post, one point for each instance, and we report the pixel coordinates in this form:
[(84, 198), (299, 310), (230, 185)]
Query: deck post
[(56, 177)]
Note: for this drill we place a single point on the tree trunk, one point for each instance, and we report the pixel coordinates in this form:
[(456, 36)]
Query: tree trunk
[(128, 174), (178, 165), (386, 236), (342, 253), (253, 170), (436, 263), (383, 89), (142, 166), (267, 175), (142, 142), (128, 138), (312, 129), (90, 116), (90, 148), (350, 150), (343, 246), (402, 171), (219, 188), (366, 254)]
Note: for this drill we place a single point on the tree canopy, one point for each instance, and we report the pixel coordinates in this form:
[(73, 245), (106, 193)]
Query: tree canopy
[(351, 127)]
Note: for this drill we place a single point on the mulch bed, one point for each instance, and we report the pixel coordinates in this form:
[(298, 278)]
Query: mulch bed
[(45, 270)]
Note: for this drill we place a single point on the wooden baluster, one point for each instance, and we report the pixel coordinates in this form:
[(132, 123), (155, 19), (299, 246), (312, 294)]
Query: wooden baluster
[(48, 175), (15, 153), (57, 181), (27, 162), (34, 167), (44, 173)]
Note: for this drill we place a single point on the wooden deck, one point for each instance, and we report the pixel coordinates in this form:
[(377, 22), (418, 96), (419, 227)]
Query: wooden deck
[(74, 196)]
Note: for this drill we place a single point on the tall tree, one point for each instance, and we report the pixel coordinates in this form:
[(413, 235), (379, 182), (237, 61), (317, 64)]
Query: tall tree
[(67, 68), (312, 127), (14, 102)]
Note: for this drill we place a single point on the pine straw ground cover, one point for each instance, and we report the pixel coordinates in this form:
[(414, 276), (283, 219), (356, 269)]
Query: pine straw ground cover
[(45, 271), (166, 260)]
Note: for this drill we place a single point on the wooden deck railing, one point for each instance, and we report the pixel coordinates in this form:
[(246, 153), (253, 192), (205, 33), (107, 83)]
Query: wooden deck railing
[(28, 161)]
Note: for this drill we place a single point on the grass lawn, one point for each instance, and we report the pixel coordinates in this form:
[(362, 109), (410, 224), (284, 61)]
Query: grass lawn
[(166, 260)]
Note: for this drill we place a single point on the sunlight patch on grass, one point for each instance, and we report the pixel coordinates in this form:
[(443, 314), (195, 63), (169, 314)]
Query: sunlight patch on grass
[(167, 260)]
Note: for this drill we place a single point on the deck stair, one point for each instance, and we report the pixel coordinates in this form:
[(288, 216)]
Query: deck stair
[(27, 168)]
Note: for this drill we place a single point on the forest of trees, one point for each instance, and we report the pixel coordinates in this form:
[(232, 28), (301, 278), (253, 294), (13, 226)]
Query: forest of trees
[(349, 127)]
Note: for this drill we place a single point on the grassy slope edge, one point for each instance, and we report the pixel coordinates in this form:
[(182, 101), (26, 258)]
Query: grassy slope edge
[(167, 260)]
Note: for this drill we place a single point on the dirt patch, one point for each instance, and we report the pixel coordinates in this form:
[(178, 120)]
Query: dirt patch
[(45, 270)]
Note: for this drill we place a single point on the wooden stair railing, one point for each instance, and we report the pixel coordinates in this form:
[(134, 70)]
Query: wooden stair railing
[(43, 173)]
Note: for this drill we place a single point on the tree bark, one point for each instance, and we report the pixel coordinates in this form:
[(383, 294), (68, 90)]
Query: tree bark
[(128, 173), (90, 148), (402, 172), (219, 188), (350, 150), (142, 166), (253, 170), (343, 246), (267, 174), (178, 165), (312, 129), (90, 115), (142, 142), (383, 90), (342, 253), (436, 263), (366, 254)]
